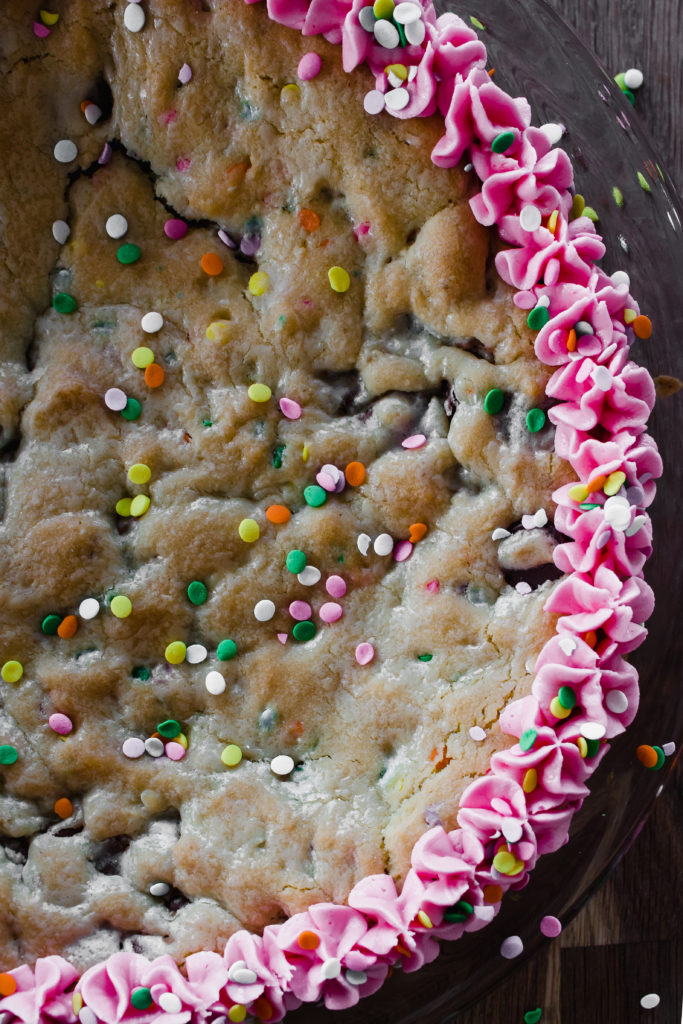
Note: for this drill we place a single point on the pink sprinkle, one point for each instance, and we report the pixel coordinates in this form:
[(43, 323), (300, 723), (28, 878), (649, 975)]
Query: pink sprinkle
[(185, 74), (403, 550), (362, 229), (42, 31), (414, 441), (170, 116), (524, 300), (226, 239), (175, 228), (300, 610), (105, 155), (282, 637), (365, 652), (330, 611), (551, 927), (325, 481), (182, 163), (309, 66), (432, 586), (60, 723), (335, 586), (176, 751), (290, 409), (133, 747)]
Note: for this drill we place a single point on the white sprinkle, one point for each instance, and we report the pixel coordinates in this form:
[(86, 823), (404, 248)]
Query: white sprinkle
[(397, 99), (356, 978), (617, 512), (65, 151), (530, 665), (386, 34), (92, 113), (511, 947), (86, 1016), (635, 526), (500, 534), (185, 74), (154, 746), (522, 587), (282, 765), (215, 683), (650, 1001), (152, 322), (116, 225), (367, 19), (405, 13), (243, 976), (373, 102), (309, 576), (170, 1002), (567, 645), (540, 518), (159, 889), (633, 78), (264, 610), (593, 730), (412, 74), (512, 830), (620, 277), (616, 701), (415, 33), (668, 749), (584, 371), (89, 608), (583, 327), (133, 747), (384, 544), (134, 17), (530, 218), (553, 132), (602, 378), (196, 654), (60, 231), (477, 734), (363, 543), (331, 968), (394, 81), (543, 301)]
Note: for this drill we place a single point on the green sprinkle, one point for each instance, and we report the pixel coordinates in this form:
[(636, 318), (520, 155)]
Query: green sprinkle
[(592, 747), (589, 212), (131, 410), (477, 24), (64, 303), (315, 496), (454, 916), (460, 911), (295, 561), (535, 420), (527, 739), (197, 592), (643, 182), (401, 33), (587, 506), (493, 402), (425, 657), (207, 423), (128, 253), (8, 753), (51, 624), (619, 79), (277, 456), (629, 96), (226, 650), (502, 142), (578, 206), (304, 631), (661, 758), (141, 672), (170, 728), (141, 998), (538, 318), (618, 197), (533, 1016), (566, 697)]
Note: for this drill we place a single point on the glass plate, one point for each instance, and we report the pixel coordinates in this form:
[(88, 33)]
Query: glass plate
[(537, 55)]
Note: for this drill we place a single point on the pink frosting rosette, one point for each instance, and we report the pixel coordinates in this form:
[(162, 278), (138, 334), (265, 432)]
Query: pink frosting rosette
[(492, 807), (263, 956), (566, 255), (623, 544), (43, 993), (359, 46), (310, 17), (584, 403), (393, 932), (633, 454)]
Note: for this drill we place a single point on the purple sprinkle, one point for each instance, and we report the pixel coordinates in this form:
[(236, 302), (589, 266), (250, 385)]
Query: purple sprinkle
[(185, 74), (105, 155), (226, 239), (511, 947), (403, 551), (250, 245), (175, 228), (432, 817)]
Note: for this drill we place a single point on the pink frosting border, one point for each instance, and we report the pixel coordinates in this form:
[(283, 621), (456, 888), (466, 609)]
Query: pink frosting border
[(603, 403)]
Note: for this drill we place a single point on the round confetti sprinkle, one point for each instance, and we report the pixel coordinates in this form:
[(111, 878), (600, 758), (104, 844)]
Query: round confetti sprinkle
[(249, 530), (335, 586), (386, 34), (650, 1001), (61, 724), (60, 231), (159, 889), (258, 283), (616, 701), (142, 357), (339, 279), (477, 734), (139, 505), (133, 747), (264, 610), (196, 654), (300, 610), (309, 219), (309, 66), (152, 322), (197, 592), (384, 544), (503, 141), (215, 683), (121, 606), (314, 495), (355, 474), (356, 978), (175, 228), (237, 1013), (8, 985), (185, 74), (8, 753), (331, 612), (231, 756), (175, 652), (169, 729), (12, 671), (290, 409), (633, 78), (115, 399), (365, 652), (64, 303), (63, 808), (538, 318), (282, 765), (533, 1016), (397, 99), (535, 420), (414, 441), (373, 102), (593, 730), (278, 514), (530, 218), (65, 151), (259, 392), (304, 631), (493, 402), (154, 375), (67, 627), (511, 947), (128, 253), (140, 998), (169, 1002), (551, 926), (295, 561), (226, 650), (642, 325), (308, 940), (116, 225), (309, 577), (154, 746), (139, 473)]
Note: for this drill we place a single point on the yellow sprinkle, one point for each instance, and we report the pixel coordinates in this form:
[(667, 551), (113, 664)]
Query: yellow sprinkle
[(552, 222), (289, 91), (383, 8), (121, 606), (424, 919), (400, 70), (259, 392), (530, 781), (249, 530), (629, 315), (100, 284), (578, 493), (258, 283), (218, 330), (175, 652), (231, 756), (49, 18), (557, 709), (237, 1013), (139, 473), (305, 453), (582, 745), (77, 1002), (181, 738), (578, 205), (139, 505), (123, 506), (519, 866), (614, 482), (339, 279), (12, 671), (504, 862), (142, 357)]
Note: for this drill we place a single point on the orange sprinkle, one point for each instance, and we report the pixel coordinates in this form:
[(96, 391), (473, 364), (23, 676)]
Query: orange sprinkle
[(647, 755), (8, 985), (262, 1008), (297, 729), (355, 474), (212, 264), (154, 375), (596, 484), (308, 940), (434, 754), (591, 638), (67, 627), (309, 220), (84, 104), (642, 325), (400, 948), (417, 532), (492, 894), (492, 72), (278, 514), (571, 341), (63, 807), (235, 174)]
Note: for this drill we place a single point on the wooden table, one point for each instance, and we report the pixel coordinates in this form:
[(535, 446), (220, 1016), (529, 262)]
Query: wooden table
[(628, 940)]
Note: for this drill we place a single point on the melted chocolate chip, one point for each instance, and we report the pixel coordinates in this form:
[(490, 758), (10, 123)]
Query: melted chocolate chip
[(106, 856)]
